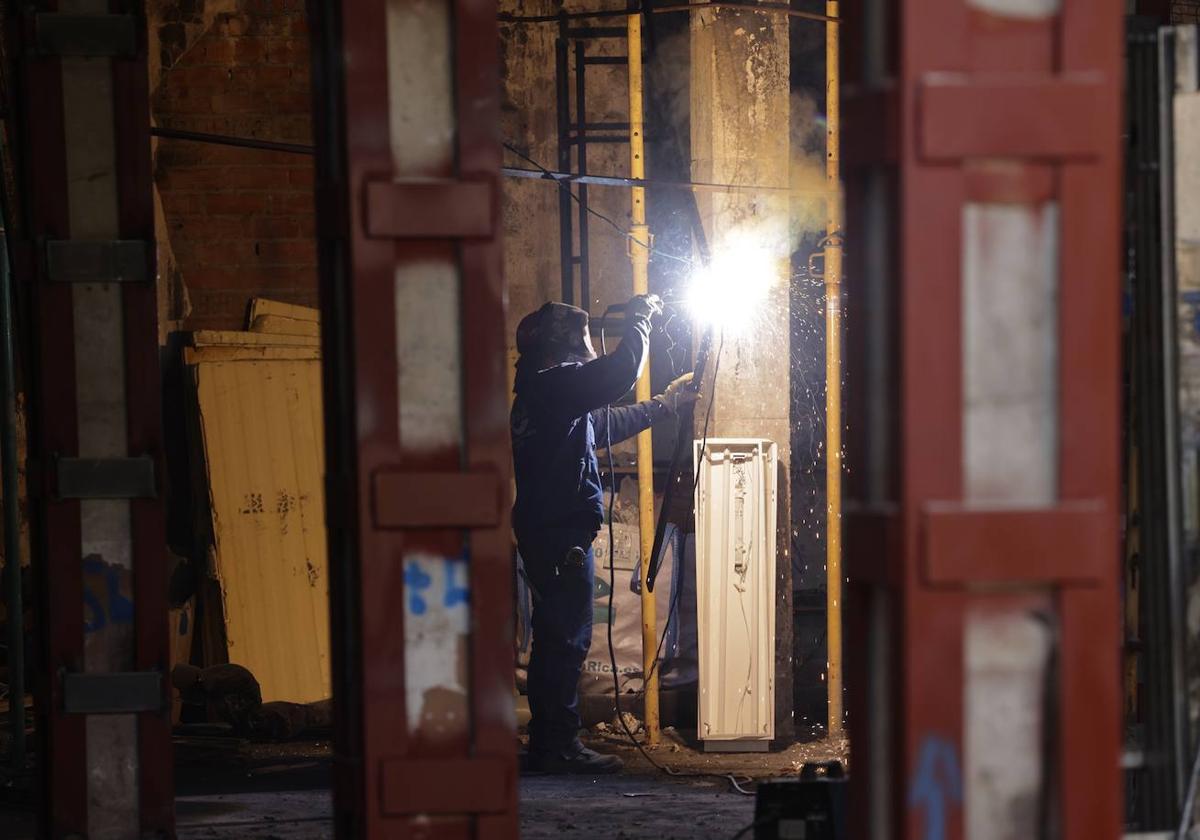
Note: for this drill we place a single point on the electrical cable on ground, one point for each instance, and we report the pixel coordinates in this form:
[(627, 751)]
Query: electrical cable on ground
[(612, 584)]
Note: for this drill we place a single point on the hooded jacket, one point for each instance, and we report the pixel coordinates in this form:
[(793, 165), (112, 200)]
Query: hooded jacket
[(557, 422)]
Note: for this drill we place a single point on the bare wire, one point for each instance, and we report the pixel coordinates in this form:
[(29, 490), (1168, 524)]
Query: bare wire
[(549, 175)]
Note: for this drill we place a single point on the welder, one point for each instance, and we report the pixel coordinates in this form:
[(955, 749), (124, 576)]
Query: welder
[(561, 413)]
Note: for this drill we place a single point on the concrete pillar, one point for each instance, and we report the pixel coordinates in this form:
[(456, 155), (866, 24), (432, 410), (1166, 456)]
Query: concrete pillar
[(739, 127), (740, 120)]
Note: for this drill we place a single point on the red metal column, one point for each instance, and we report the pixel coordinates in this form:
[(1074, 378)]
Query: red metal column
[(135, 184), (389, 219), (54, 527), (949, 103), (113, 37)]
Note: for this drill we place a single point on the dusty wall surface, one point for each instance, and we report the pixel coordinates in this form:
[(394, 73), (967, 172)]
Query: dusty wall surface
[(235, 223), (529, 209), (529, 122)]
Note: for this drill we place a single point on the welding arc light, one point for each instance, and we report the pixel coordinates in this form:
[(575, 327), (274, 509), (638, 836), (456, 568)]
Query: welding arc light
[(728, 292)]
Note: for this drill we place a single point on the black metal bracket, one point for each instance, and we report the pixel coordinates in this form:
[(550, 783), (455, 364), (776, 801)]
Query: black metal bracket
[(85, 36), (96, 261), (117, 693), (105, 478)]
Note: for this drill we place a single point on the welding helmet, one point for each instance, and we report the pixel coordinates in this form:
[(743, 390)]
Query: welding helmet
[(555, 334)]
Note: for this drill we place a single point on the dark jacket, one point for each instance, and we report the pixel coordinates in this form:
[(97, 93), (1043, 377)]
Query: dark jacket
[(558, 420)]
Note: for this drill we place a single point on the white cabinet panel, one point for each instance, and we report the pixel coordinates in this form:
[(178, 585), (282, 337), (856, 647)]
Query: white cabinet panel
[(735, 592)]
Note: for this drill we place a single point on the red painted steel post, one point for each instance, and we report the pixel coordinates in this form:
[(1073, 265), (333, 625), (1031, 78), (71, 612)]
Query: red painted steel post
[(54, 526), (113, 213), (416, 418), (953, 110), (135, 222)]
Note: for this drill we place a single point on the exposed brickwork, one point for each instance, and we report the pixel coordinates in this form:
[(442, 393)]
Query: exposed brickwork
[(240, 221), (1185, 11)]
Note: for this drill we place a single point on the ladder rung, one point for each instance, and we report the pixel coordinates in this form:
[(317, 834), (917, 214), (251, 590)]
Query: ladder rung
[(598, 32), (598, 138)]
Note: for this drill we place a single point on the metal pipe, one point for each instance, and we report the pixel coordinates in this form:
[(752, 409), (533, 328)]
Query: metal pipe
[(508, 171), (745, 7), (12, 509), (603, 13), (226, 140), (833, 374), (639, 253), (648, 183), (506, 17)]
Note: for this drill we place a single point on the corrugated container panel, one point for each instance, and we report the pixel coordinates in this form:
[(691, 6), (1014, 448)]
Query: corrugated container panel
[(261, 424), (735, 592)]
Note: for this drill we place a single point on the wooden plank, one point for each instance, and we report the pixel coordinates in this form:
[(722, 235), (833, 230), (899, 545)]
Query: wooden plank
[(262, 429), (233, 353), (206, 338), (279, 325), (260, 307)]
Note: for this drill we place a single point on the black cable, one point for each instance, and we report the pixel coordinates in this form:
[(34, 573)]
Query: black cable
[(612, 585), (226, 140), (612, 571), (673, 608), (549, 175)]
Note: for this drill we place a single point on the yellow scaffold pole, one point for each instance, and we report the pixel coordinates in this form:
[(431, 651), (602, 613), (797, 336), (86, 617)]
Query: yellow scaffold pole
[(639, 252), (833, 373)]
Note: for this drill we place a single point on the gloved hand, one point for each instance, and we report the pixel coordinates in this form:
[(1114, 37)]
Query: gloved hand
[(644, 306), (679, 393)]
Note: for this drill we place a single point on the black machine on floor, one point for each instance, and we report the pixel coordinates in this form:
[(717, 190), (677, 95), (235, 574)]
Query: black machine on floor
[(809, 807)]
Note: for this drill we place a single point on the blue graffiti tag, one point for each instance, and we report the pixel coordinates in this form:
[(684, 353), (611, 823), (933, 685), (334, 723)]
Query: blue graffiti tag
[(120, 608), (417, 582), (937, 782)]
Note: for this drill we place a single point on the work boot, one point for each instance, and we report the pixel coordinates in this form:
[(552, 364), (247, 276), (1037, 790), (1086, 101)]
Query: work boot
[(574, 760)]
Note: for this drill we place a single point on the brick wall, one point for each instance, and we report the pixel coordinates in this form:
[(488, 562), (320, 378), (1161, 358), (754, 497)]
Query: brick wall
[(239, 221)]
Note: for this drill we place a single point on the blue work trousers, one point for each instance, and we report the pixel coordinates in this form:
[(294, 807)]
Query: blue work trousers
[(562, 633)]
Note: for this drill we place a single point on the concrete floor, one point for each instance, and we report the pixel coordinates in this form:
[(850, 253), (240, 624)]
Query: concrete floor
[(626, 807), (281, 792)]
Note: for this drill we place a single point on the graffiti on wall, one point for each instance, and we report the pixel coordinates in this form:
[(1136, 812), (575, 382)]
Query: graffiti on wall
[(936, 784)]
